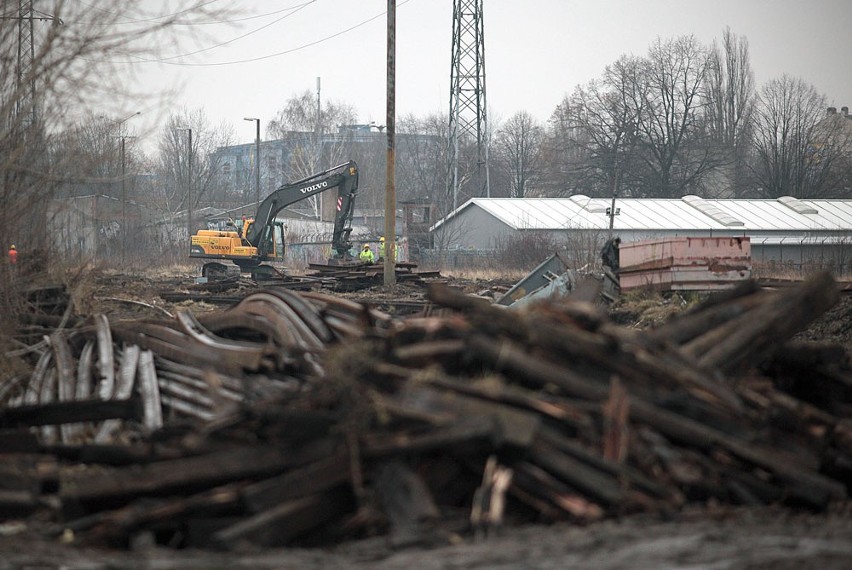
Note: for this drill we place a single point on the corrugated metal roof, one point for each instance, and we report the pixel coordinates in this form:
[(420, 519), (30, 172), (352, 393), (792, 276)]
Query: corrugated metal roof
[(657, 214)]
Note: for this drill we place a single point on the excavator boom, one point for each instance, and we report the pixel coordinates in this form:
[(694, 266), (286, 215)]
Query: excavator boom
[(251, 249), (344, 177)]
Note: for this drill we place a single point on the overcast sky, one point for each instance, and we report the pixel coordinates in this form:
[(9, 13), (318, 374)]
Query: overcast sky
[(537, 51)]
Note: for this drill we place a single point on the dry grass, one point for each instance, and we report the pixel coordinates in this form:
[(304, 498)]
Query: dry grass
[(479, 274), (786, 273), (643, 308)]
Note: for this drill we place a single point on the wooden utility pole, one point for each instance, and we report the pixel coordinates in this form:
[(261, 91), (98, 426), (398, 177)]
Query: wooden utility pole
[(390, 187)]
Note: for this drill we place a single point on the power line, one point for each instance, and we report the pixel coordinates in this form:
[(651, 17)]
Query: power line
[(260, 58), (179, 23), (263, 27), (146, 20), (236, 20)]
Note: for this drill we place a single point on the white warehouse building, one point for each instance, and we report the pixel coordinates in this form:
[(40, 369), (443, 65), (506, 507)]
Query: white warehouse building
[(784, 230)]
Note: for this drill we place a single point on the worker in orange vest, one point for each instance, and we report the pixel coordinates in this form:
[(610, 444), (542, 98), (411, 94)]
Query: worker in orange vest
[(13, 254)]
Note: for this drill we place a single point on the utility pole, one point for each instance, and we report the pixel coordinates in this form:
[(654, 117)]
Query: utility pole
[(189, 188), (319, 108), (124, 186), (320, 200), (390, 166), (256, 161), (468, 110), (612, 212), (188, 184), (123, 205)]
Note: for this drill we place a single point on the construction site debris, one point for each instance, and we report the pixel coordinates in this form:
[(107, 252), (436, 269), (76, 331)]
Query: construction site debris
[(306, 418)]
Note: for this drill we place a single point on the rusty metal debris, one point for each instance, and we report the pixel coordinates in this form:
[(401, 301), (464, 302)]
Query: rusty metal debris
[(359, 276), (295, 417), (168, 364)]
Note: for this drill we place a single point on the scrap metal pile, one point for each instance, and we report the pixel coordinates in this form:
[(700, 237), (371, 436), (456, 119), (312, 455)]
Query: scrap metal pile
[(357, 276), (303, 418)]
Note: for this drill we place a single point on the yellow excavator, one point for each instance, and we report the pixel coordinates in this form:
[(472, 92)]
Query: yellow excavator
[(255, 242)]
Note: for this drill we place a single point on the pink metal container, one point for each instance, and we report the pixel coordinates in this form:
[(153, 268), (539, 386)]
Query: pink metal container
[(685, 263)]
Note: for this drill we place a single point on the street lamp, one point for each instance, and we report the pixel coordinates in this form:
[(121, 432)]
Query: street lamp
[(256, 160), (188, 184), (123, 186)]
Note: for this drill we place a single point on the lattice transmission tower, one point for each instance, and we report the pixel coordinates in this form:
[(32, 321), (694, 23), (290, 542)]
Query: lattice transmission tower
[(26, 85), (27, 96), (468, 122)]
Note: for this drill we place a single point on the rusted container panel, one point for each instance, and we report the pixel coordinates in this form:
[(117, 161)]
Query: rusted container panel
[(685, 263)]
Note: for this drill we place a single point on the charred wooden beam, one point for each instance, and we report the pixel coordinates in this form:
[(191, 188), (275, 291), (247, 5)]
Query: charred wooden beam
[(116, 485), (282, 523), (115, 526), (116, 454), (594, 483), (550, 496), (496, 390), (55, 413), (309, 479), (406, 501), (753, 336), (718, 309), (474, 430), (806, 485), (15, 504), (631, 477), (511, 426)]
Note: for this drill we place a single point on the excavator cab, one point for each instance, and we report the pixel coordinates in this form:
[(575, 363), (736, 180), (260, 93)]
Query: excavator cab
[(225, 240)]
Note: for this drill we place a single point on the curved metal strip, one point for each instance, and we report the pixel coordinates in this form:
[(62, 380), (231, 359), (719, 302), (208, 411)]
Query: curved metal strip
[(149, 389), (123, 389), (31, 396), (308, 312), (291, 317), (47, 394), (84, 372), (249, 354), (106, 358), (66, 378)]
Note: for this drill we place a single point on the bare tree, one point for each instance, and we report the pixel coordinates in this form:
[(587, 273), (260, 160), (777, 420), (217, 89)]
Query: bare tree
[(730, 104), (598, 124), (298, 122), (314, 135), (174, 168), (517, 152), (563, 156), (58, 62), (676, 156), (89, 153), (639, 130), (421, 156), (795, 152), (730, 90)]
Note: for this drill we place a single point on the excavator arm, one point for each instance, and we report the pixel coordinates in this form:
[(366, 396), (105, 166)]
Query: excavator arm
[(344, 177)]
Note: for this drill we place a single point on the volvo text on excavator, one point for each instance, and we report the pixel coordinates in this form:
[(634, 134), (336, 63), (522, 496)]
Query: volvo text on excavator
[(253, 244)]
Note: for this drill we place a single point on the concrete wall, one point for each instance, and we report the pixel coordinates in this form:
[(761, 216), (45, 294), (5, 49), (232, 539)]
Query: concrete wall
[(473, 228), (78, 226)]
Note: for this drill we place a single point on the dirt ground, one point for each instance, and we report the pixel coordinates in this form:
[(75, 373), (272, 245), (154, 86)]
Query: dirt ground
[(728, 539), (709, 538)]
